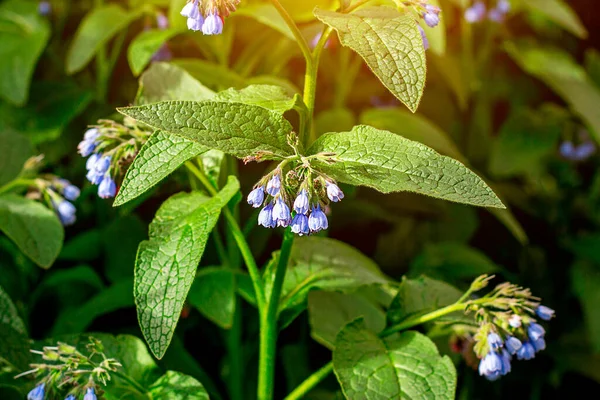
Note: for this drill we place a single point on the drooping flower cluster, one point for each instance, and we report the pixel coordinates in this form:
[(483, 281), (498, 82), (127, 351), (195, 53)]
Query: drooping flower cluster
[(110, 146), (508, 328), (208, 16), (70, 374), (478, 11), (305, 214), (429, 13)]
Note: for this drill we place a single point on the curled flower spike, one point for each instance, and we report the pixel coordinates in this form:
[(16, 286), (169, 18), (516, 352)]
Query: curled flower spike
[(274, 185), (545, 313), (513, 345), (213, 24), (300, 225), (526, 352), (90, 394), (301, 202), (535, 331), (66, 212), (37, 393), (256, 197), (490, 366), (317, 220), (475, 13), (281, 213), (107, 188), (265, 217), (334, 193)]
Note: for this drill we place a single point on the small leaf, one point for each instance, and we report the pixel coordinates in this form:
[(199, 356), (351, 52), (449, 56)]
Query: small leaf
[(213, 294), (405, 366), (390, 43), (166, 264), (160, 156), (143, 47), (164, 81), (272, 97), (390, 163), (329, 312), (24, 35), (9, 315), (14, 151), (238, 129), (95, 30), (177, 386), (560, 13), (419, 296), (34, 228)]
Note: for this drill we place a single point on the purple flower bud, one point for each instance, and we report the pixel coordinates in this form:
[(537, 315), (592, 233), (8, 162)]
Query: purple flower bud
[(70, 397), (89, 394), (539, 344), (545, 313), (475, 13), (102, 165), (265, 217), (37, 393), (503, 6), (162, 22), (334, 193), (505, 357), (44, 8), (301, 203), (256, 197), (66, 212), (491, 366), (94, 177), (300, 225), (535, 331), (281, 213), (107, 188), (512, 344), (431, 19), (91, 162), (162, 54), (191, 10), (496, 15), (91, 134), (494, 341), (317, 220), (195, 24), (584, 151), (526, 352), (213, 25), (424, 37), (274, 185), (86, 147), (71, 192)]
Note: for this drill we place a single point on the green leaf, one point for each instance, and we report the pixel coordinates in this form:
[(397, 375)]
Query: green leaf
[(23, 35), (419, 296), (34, 228), (390, 43), (15, 347), (9, 315), (124, 234), (95, 30), (274, 98), (143, 47), (238, 129), (213, 75), (177, 386), (166, 264), (266, 14), (560, 71), (213, 294), (158, 158), (586, 281), (212, 161), (405, 366), (14, 151), (560, 13), (327, 264), (164, 81), (390, 163), (335, 119), (329, 312)]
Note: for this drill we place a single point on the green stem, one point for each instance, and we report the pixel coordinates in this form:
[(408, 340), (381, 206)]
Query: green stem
[(295, 31), (17, 183), (310, 382), (101, 66), (132, 382), (268, 323)]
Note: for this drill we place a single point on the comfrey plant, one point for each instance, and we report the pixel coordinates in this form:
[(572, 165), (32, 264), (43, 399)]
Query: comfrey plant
[(208, 16), (69, 374)]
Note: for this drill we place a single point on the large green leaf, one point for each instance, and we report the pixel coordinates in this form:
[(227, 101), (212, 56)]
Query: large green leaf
[(33, 227), (275, 98), (143, 47), (213, 75), (14, 151), (560, 13), (9, 315), (390, 163), (266, 14), (95, 30), (15, 347), (390, 43), (166, 264), (405, 366), (238, 129), (158, 158), (164, 81), (177, 386), (23, 34), (213, 294), (329, 312)]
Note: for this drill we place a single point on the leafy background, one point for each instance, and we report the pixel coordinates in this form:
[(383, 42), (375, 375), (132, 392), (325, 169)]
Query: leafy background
[(499, 97)]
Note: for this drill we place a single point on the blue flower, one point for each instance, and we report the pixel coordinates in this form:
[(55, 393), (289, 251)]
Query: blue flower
[(475, 13), (535, 331), (91, 162), (71, 192), (496, 15), (66, 212), (191, 10), (256, 197), (94, 177), (89, 142), (424, 37), (503, 6), (44, 8), (162, 22), (494, 340), (539, 344), (274, 185), (300, 225), (301, 202), (195, 24), (37, 393), (505, 357), (281, 213), (70, 397), (213, 25), (317, 220), (512, 344), (90, 394), (526, 352), (431, 19), (107, 188), (91, 134), (96, 174), (102, 165), (545, 313), (491, 366), (265, 217), (334, 193)]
